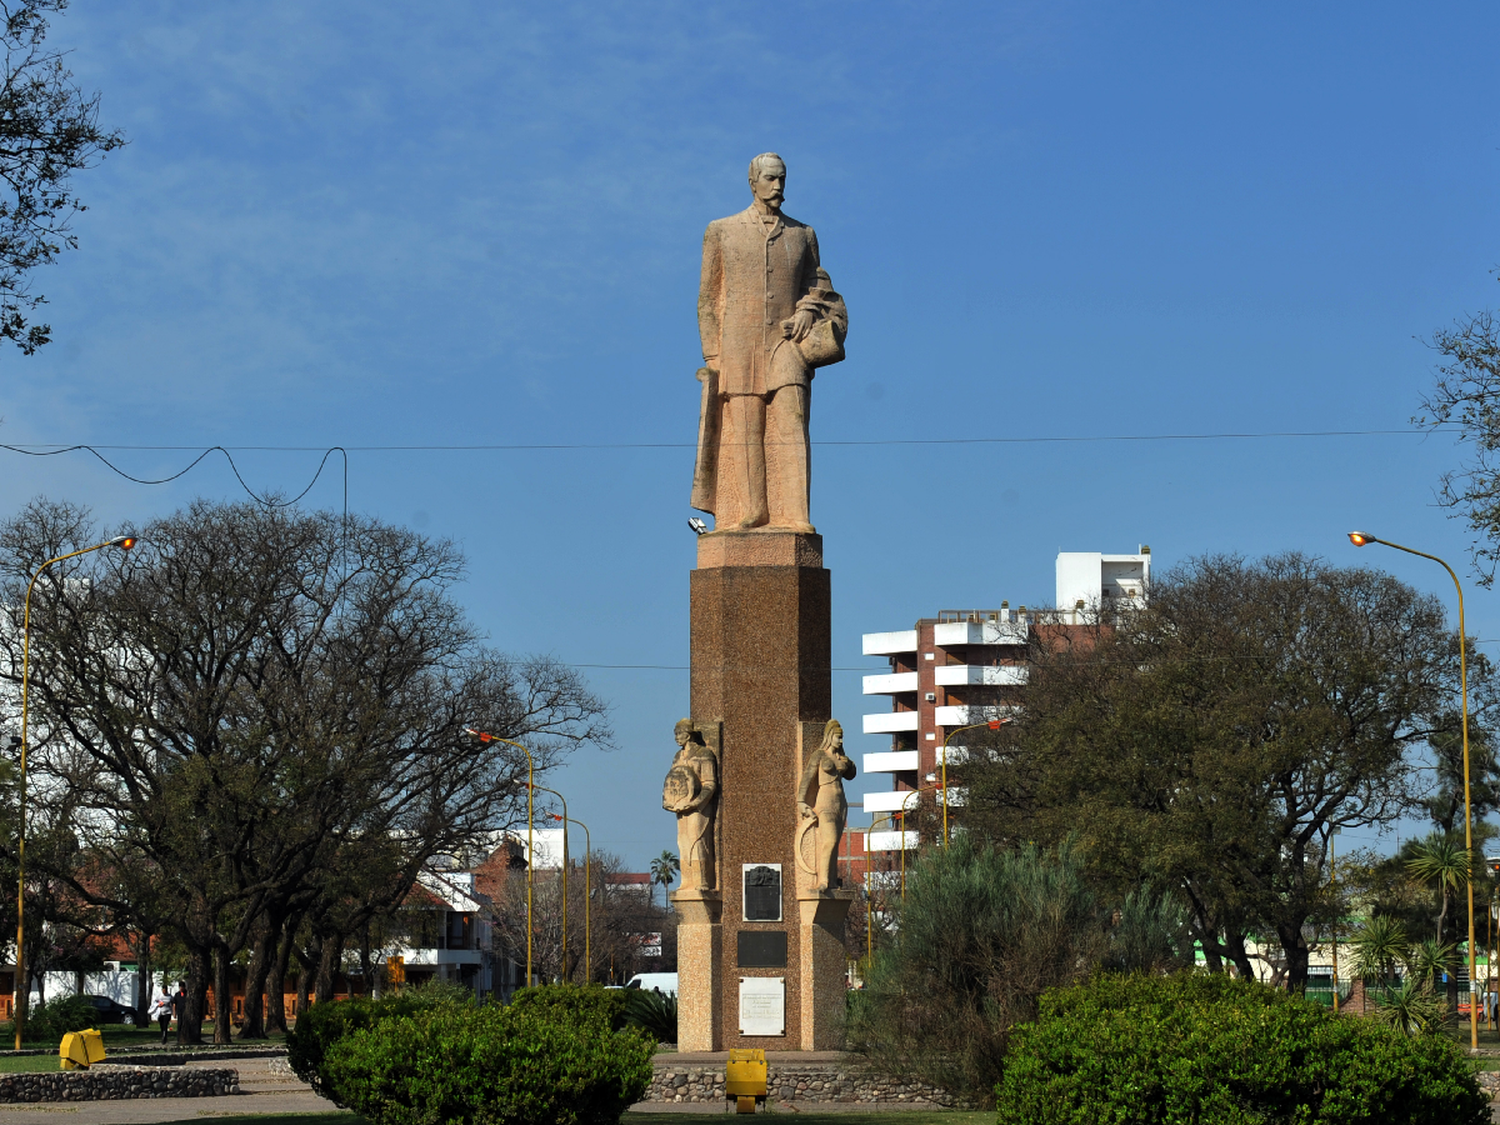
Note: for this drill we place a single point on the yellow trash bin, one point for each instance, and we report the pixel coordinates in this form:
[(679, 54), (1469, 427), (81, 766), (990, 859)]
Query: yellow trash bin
[(80, 1049), (745, 1079)]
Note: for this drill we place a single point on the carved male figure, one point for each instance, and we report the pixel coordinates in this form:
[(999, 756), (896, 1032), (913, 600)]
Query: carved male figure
[(691, 791), (768, 316), (821, 800)]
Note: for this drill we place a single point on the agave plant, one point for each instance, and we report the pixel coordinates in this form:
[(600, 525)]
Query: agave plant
[(654, 1011), (1412, 1008)]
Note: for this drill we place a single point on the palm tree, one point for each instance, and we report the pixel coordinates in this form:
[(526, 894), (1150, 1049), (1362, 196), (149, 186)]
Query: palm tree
[(1380, 944), (1439, 860), (664, 869)]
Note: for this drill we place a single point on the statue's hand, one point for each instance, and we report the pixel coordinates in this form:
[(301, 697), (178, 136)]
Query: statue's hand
[(802, 324), (806, 810)]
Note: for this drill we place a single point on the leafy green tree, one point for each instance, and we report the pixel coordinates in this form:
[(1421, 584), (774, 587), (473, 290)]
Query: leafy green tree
[(1212, 741), (49, 129)]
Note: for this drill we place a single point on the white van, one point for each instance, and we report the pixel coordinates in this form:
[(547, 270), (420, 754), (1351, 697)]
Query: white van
[(660, 982)]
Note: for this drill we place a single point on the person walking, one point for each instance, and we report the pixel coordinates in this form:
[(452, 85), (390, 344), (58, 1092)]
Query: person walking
[(161, 1011), (179, 1006)]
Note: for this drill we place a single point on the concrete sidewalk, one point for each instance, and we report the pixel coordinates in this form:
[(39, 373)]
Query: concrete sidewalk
[(262, 1091)]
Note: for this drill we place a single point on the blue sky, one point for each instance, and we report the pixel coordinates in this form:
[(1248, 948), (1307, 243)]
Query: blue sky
[(469, 225)]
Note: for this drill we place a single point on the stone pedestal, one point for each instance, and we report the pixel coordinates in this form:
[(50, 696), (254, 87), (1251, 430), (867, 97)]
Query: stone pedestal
[(822, 967), (699, 949), (761, 679)]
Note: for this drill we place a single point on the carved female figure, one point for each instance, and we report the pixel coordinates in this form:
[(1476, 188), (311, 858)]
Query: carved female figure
[(821, 800)]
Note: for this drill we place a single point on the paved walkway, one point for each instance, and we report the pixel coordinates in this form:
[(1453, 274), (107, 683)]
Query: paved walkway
[(262, 1091)]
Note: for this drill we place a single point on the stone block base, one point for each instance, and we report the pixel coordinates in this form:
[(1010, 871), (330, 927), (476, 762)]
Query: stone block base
[(797, 1082)]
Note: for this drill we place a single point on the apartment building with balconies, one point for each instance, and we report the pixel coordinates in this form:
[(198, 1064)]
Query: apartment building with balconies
[(967, 667)]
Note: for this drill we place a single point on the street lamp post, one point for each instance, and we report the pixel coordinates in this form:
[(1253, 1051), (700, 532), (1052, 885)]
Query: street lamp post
[(889, 818), (485, 736), (1332, 882), (1360, 539), (20, 984), (993, 724), (564, 819), (588, 900)]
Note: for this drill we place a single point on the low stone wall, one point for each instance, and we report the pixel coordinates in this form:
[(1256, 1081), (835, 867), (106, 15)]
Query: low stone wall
[(796, 1082), (104, 1082)]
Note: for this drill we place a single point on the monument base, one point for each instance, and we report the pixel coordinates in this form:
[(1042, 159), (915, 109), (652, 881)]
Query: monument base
[(700, 940), (823, 958)]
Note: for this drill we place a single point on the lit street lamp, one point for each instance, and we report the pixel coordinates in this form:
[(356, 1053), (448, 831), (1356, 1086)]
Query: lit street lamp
[(485, 736), (21, 985), (1360, 539)]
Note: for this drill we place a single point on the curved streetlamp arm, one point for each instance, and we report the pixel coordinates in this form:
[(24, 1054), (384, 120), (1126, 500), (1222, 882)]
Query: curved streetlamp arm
[(485, 736), (20, 984), (1359, 539)]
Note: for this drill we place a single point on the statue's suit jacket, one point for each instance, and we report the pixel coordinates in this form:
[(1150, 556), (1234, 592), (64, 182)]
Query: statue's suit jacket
[(753, 277)]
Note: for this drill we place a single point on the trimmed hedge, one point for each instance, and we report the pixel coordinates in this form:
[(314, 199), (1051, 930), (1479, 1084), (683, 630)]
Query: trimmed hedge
[(527, 1064), (322, 1025), (1192, 1049), (586, 1003)]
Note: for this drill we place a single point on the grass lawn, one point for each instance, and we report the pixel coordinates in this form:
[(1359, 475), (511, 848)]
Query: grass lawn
[(853, 1117), (30, 1064), (893, 1117)]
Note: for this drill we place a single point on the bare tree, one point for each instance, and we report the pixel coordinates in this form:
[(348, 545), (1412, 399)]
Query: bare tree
[(259, 715)]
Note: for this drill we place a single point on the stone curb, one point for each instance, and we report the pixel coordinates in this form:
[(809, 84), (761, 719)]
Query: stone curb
[(105, 1082)]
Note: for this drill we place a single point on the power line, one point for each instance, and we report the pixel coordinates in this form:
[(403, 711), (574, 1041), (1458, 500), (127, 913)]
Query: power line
[(47, 450), (268, 501)]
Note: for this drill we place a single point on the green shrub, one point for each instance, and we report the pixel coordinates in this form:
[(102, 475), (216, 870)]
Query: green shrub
[(653, 1012), (590, 1003), (50, 1021), (519, 1065), (981, 934), (322, 1025), (1200, 1049)]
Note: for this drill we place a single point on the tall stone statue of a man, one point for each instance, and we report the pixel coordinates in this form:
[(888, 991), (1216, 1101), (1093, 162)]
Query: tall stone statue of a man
[(768, 316)]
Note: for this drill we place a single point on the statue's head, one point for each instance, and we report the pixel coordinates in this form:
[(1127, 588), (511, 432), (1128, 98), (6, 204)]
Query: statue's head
[(683, 731), (833, 735), (768, 180)]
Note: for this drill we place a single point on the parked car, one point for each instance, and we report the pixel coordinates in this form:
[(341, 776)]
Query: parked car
[(109, 1011)]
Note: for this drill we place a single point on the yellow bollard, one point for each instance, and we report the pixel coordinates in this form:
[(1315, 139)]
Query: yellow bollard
[(745, 1079), (81, 1049)]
